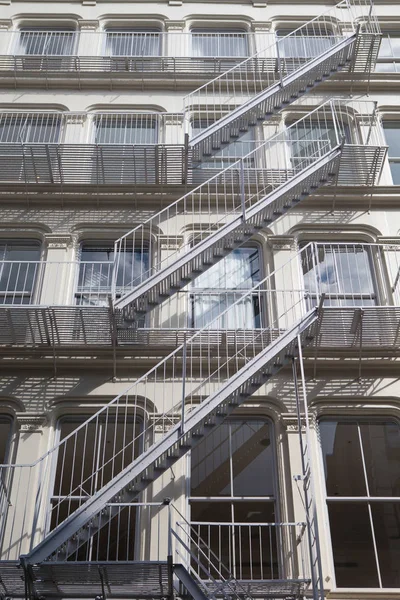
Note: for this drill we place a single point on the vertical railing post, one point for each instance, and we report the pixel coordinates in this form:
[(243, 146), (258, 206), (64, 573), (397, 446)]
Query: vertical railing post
[(184, 354), (279, 62), (242, 190)]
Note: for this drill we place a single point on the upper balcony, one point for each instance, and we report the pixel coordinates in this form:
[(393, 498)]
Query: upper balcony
[(128, 57)]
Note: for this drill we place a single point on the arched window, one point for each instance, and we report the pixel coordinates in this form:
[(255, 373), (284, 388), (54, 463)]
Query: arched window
[(361, 459), (233, 495)]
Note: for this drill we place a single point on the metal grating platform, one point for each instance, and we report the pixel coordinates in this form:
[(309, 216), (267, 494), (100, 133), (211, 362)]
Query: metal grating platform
[(86, 580), (376, 328), (271, 589)]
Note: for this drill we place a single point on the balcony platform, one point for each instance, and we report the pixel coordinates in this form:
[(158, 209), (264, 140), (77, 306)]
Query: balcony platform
[(86, 580), (136, 579), (126, 71), (65, 330)]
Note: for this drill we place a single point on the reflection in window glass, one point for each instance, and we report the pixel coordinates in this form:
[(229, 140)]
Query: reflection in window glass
[(42, 41), (306, 44), (5, 433), (212, 43), (100, 442), (133, 42), (223, 285), (362, 458), (38, 129), (19, 270), (125, 129), (236, 462), (343, 272), (392, 135), (389, 53), (96, 271)]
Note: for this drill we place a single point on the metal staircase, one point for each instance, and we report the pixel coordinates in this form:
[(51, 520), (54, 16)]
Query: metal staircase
[(196, 387), (186, 413), (258, 87), (227, 210)]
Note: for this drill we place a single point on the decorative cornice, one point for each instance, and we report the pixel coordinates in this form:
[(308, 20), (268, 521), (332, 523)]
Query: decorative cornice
[(175, 25), (291, 424), (170, 242), (282, 242), (31, 423), (5, 23), (261, 26), (62, 241), (86, 25)]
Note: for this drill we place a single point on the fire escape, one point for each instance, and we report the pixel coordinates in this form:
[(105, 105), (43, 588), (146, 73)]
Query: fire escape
[(52, 548)]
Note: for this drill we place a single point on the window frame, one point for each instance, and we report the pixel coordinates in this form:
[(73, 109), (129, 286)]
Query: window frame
[(392, 160), (38, 265), (258, 305), (344, 299), (78, 419), (231, 500), (367, 499), (107, 46), (211, 31), (75, 34)]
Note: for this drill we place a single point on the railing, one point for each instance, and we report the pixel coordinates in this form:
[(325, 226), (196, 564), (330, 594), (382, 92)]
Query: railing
[(127, 51), (283, 57), (250, 551), (133, 420), (113, 127), (272, 164), (64, 477), (348, 274)]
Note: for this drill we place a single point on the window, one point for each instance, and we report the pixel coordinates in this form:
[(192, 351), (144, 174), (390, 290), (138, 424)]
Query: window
[(224, 284), (96, 270), (207, 42), (227, 154), (310, 141), (362, 467), (305, 43), (5, 435), (39, 128), (343, 272), (233, 485), (104, 447), (133, 42), (125, 129), (19, 271), (389, 53), (6, 475), (392, 135), (39, 41)]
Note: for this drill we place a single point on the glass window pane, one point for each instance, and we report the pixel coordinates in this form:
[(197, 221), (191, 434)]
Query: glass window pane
[(341, 451), (343, 271), (123, 129), (46, 42), (133, 43), (392, 130), (5, 432), (211, 43), (386, 520), (352, 545), (210, 470), (381, 446), (252, 459), (238, 271), (395, 169)]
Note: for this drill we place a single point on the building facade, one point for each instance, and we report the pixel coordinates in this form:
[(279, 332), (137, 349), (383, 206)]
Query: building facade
[(199, 299)]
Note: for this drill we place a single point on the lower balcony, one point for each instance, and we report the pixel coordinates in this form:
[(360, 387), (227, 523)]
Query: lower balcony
[(60, 305), (129, 559)]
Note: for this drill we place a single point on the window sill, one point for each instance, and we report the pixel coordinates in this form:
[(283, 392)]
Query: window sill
[(363, 594)]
